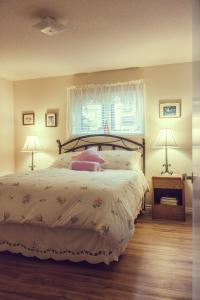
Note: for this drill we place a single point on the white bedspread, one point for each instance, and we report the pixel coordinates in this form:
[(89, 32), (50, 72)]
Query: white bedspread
[(105, 202)]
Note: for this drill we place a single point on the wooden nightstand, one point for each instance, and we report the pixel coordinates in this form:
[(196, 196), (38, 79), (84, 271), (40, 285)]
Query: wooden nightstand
[(168, 197)]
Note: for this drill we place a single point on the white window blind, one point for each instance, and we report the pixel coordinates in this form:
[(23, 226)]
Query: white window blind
[(113, 108)]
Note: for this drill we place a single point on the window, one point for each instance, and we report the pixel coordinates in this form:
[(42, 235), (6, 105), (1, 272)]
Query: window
[(114, 109)]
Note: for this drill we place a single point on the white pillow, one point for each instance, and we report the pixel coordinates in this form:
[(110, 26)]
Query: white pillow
[(121, 159), (63, 160)]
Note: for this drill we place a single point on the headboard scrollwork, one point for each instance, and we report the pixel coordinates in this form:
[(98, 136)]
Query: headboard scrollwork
[(103, 141)]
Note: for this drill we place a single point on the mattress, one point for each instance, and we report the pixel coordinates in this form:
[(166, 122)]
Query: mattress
[(65, 214)]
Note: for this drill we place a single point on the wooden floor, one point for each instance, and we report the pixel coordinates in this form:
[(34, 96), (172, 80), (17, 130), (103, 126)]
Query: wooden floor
[(156, 265)]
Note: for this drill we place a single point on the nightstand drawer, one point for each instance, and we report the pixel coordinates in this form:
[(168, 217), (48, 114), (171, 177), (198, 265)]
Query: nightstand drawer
[(164, 183), (169, 212)]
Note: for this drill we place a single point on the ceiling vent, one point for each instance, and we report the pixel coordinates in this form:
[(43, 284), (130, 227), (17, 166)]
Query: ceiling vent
[(50, 26)]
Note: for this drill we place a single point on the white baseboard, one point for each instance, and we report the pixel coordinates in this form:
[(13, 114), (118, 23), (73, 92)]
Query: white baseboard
[(148, 206), (188, 210)]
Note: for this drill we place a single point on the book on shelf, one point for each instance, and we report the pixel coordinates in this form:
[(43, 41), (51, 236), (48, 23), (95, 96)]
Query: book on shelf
[(169, 201)]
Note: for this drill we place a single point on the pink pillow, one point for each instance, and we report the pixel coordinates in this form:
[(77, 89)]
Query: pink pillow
[(85, 166), (89, 155)]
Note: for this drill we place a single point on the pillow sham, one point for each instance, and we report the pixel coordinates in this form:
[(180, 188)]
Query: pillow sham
[(89, 155), (63, 160), (121, 159), (85, 166)]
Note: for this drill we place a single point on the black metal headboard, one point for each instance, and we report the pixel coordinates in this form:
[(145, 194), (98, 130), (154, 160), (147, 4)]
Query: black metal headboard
[(103, 141)]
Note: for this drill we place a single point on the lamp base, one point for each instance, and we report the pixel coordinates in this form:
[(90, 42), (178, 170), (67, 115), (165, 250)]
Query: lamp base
[(163, 173), (32, 167), (166, 171)]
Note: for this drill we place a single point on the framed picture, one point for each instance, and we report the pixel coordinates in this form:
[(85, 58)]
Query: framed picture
[(170, 109), (50, 120), (28, 118)]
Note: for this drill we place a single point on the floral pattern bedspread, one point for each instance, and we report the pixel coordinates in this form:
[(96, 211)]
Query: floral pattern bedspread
[(104, 202)]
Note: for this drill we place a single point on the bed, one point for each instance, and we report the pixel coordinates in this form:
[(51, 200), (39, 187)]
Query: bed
[(72, 215)]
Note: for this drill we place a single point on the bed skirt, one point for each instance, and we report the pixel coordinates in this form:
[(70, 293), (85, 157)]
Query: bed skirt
[(58, 243)]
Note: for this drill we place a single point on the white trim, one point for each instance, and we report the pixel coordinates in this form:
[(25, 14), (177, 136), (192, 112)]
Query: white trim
[(189, 210)]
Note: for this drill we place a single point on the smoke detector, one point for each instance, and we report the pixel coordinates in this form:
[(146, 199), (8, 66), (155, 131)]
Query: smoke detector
[(50, 26)]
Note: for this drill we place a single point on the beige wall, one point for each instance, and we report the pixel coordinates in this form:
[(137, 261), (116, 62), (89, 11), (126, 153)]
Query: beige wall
[(169, 82), (6, 127), (162, 82)]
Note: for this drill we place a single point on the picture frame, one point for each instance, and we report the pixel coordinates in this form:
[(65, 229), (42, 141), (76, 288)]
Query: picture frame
[(170, 109), (28, 118), (50, 119)]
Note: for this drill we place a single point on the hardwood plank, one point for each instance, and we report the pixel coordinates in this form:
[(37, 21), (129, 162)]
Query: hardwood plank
[(157, 265)]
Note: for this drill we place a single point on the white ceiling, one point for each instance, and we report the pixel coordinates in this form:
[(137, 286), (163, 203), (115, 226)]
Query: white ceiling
[(101, 35)]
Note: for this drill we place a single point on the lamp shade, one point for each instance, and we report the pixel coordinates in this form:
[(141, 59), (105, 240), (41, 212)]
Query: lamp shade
[(31, 144), (166, 139)]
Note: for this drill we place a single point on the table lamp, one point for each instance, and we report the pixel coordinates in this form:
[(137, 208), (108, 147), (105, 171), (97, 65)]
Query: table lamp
[(166, 140), (31, 145)]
